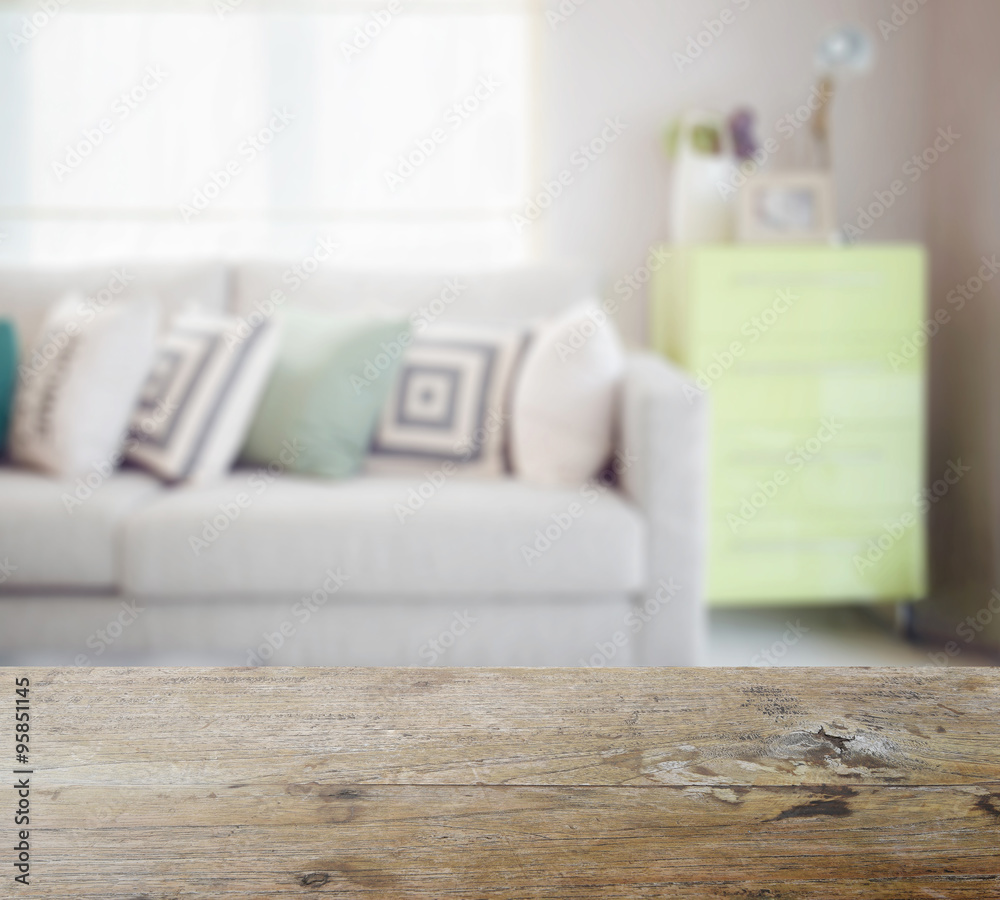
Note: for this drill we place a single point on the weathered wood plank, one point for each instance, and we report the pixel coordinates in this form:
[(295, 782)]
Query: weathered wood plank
[(361, 882), (546, 727), (363, 783), (529, 810), (609, 834)]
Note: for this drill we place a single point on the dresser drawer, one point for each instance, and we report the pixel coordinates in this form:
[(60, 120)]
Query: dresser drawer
[(842, 394), (806, 290), (858, 468), (775, 560), (793, 353), (853, 439), (839, 484)]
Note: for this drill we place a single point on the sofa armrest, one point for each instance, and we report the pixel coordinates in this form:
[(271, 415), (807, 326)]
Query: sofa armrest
[(664, 431)]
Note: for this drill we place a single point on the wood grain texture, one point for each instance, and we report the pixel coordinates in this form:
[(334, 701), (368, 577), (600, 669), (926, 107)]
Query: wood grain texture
[(162, 784)]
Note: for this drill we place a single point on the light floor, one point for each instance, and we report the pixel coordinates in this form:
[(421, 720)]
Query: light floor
[(816, 637), (758, 637)]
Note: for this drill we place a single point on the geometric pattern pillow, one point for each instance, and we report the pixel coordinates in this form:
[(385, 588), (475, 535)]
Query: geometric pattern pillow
[(450, 402), (201, 396)]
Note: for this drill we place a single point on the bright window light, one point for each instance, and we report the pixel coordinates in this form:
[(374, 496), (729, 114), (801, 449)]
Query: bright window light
[(401, 129)]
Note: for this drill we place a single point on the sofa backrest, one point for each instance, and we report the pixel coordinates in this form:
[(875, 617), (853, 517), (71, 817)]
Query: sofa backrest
[(515, 294), (26, 292)]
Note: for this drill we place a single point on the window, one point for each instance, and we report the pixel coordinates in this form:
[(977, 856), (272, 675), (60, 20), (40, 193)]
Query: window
[(401, 130)]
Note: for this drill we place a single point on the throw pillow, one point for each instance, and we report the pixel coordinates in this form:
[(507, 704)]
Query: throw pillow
[(201, 396), (78, 386), (330, 382), (8, 377), (450, 403), (562, 430)]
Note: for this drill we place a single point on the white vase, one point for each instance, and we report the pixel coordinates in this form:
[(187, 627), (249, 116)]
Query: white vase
[(700, 211)]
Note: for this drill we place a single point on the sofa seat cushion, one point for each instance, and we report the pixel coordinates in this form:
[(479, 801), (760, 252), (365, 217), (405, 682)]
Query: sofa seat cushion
[(60, 534), (251, 535)]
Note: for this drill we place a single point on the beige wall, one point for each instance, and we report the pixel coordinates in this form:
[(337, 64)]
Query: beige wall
[(614, 58)]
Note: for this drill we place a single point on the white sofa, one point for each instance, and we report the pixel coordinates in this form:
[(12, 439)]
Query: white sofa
[(324, 573)]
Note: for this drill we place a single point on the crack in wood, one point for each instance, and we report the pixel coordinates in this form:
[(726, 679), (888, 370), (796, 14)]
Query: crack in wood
[(838, 741), (987, 805), (837, 807)]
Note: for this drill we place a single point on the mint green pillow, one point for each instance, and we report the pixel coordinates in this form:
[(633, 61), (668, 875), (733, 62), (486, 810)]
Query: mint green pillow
[(326, 392), (8, 378)]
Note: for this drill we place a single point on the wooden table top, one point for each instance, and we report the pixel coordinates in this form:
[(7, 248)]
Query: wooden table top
[(169, 784)]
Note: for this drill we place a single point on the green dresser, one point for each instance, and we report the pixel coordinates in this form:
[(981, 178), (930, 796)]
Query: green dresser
[(817, 415)]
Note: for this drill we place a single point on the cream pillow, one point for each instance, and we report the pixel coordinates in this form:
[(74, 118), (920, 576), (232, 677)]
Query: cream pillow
[(562, 428), (78, 384)]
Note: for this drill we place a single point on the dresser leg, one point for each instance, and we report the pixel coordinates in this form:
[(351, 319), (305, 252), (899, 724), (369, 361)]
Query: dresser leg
[(905, 619), (897, 616)]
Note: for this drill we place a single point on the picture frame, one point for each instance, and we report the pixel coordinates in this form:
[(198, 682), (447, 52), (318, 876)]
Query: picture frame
[(787, 207)]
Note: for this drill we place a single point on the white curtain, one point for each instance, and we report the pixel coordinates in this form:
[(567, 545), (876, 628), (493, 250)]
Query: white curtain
[(401, 130)]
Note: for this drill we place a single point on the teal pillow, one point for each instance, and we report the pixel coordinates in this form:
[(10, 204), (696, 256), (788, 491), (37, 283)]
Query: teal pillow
[(326, 392), (8, 378)]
